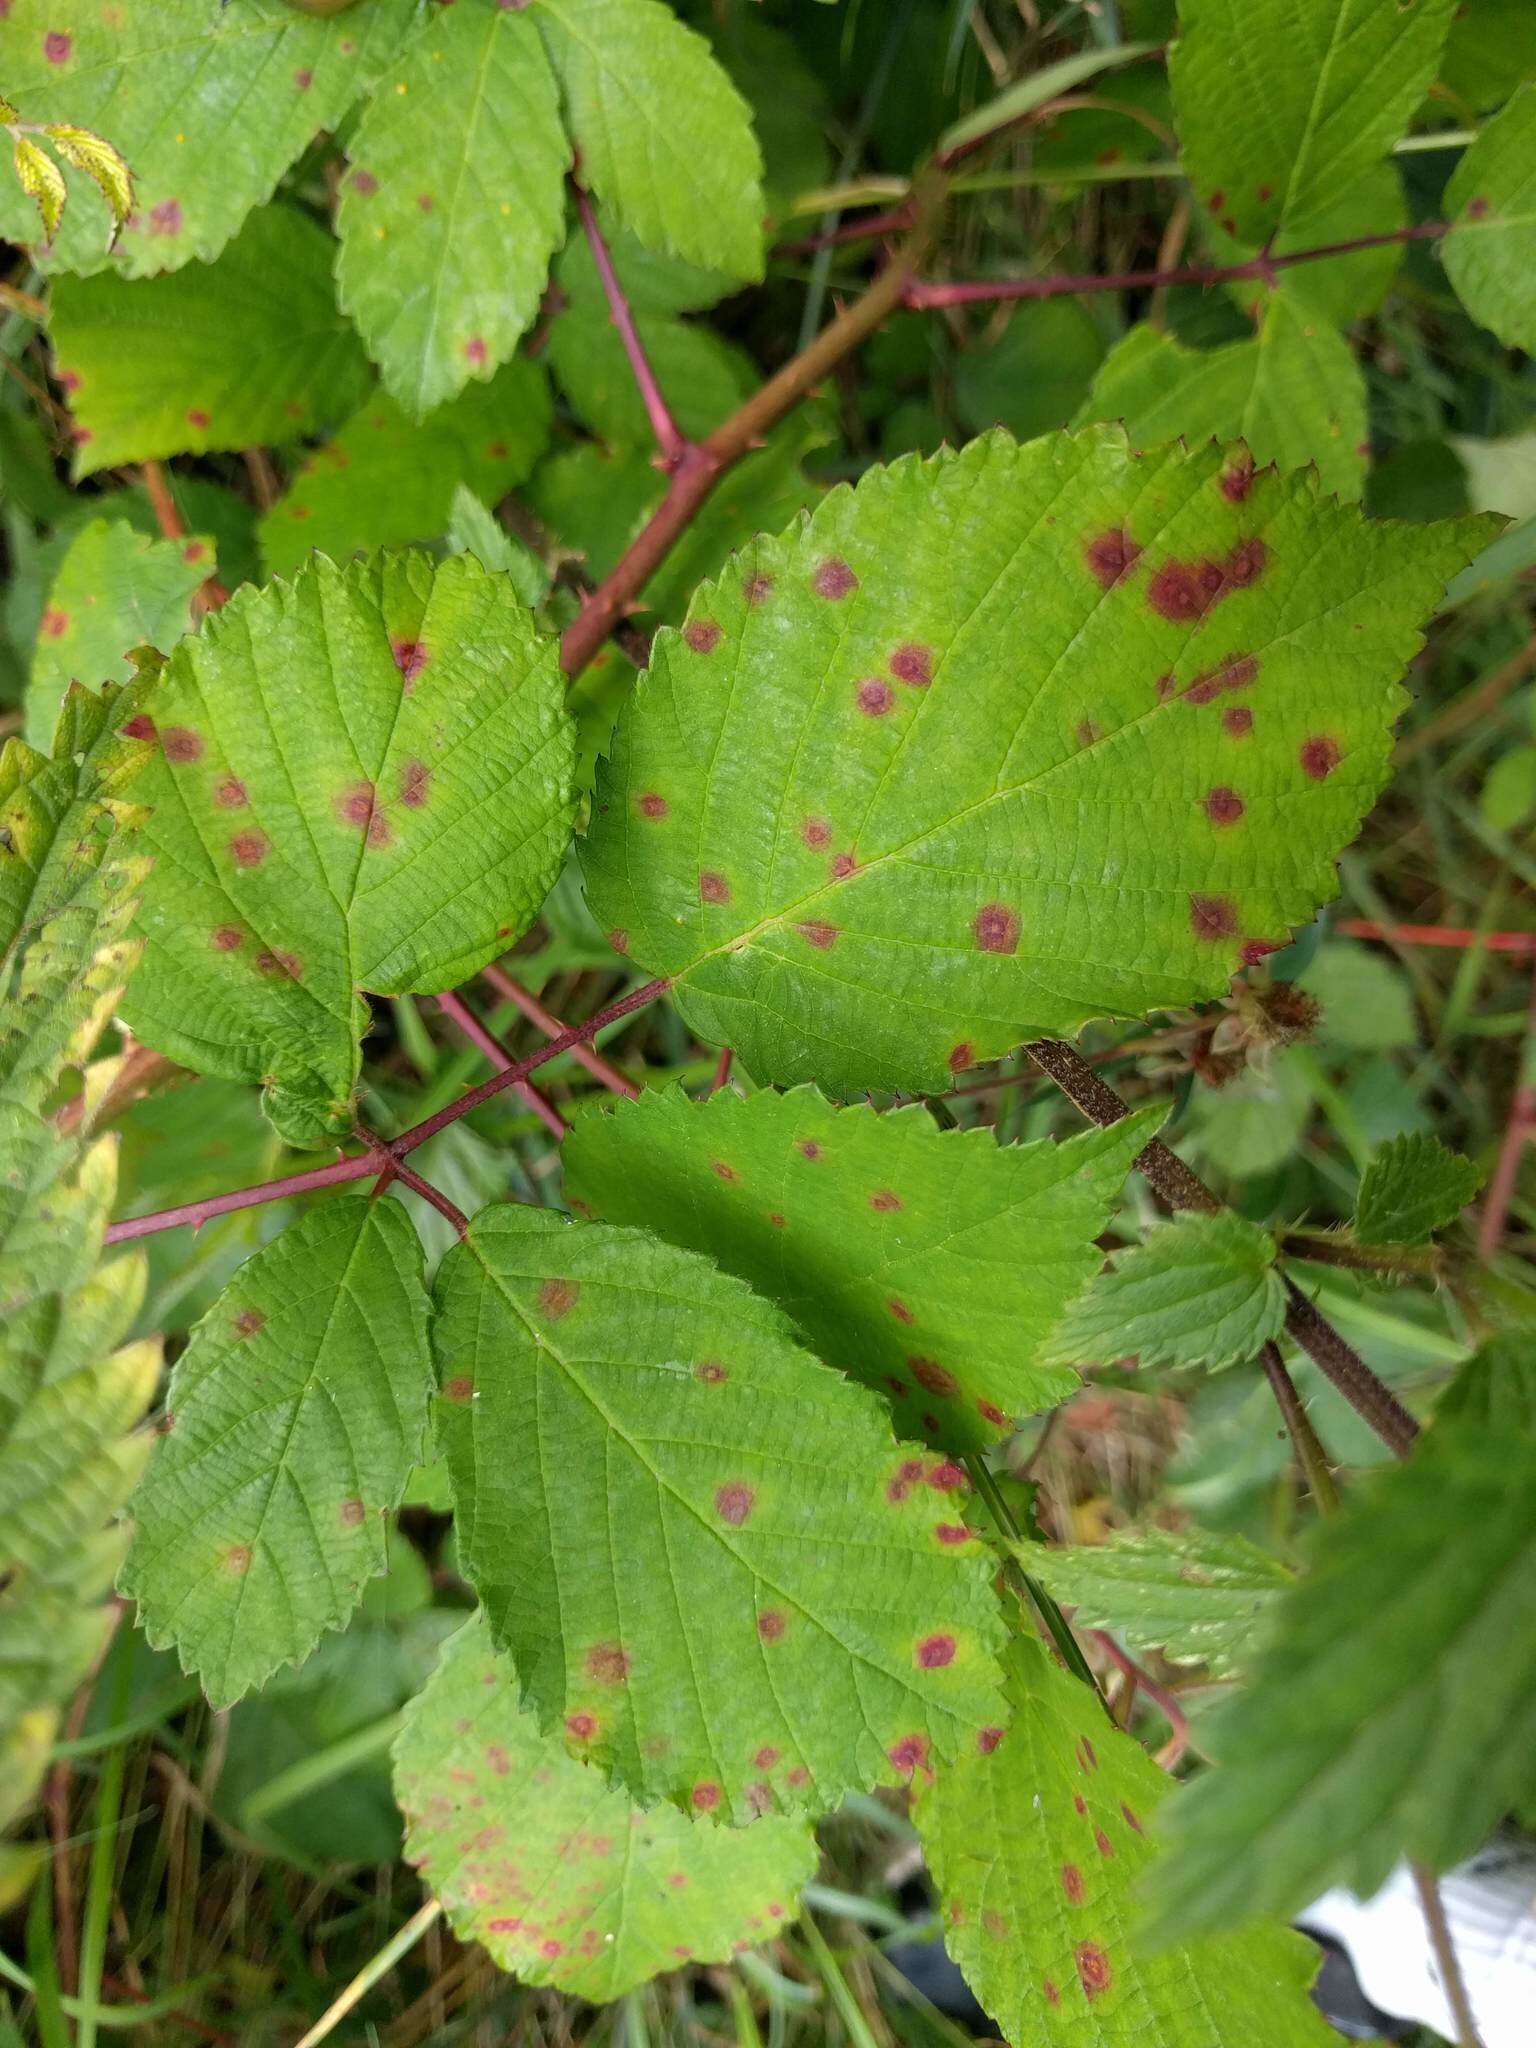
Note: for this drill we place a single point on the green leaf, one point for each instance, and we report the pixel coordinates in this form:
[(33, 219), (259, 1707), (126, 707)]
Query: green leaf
[(115, 590), (1491, 203), (1491, 50), (1196, 1596), (703, 376), (917, 835), (42, 181), (1040, 1844), (359, 780), (929, 1264), (1295, 395), (1393, 1712), (1336, 290), (665, 139), (1281, 105), (1048, 83), (1412, 1188), (293, 1420), (560, 1876), (383, 480), (457, 185), (1037, 374), (212, 358), (1496, 1388), (702, 1549), (473, 529), (1367, 1002), (1199, 1290), (208, 105)]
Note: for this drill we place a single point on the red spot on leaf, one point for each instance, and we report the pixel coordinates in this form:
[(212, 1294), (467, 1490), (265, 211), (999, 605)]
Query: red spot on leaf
[(722, 1170), (886, 1200), (56, 46), (425, 201), (733, 1503), (580, 1727), (1254, 950), (1237, 722), (165, 219), (910, 1754), (248, 1322), (987, 1739), (1072, 1883), (757, 589), (1111, 555), (1087, 733), (1052, 1995), (364, 183), (706, 1795), (54, 624), (275, 963), (607, 1663), (990, 1412), (834, 578), (875, 697), (230, 794), (1102, 1843), (713, 887), (1477, 208), (352, 1511), (650, 805), (818, 934), (1319, 756), (196, 417), (912, 664), (946, 1476), (815, 833), (770, 1627), (558, 1297), (711, 1372), (766, 1757), (841, 866), (702, 635), (181, 743), (228, 938), (899, 1310), (410, 657), (961, 1056), (303, 80), (1079, 1802), (237, 1560), (930, 1374), (1090, 1755), (1130, 1818), (193, 552), (952, 1532), (249, 849), (459, 1388), (1223, 806), (1093, 1971), (1186, 591), (475, 349), (996, 928), (905, 1477), (1237, 480), (415, 780), (776, 1219), (934, 1652), (1212, 917)]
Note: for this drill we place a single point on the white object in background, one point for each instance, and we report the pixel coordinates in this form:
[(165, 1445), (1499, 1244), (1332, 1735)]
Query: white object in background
[(1490, 1905)]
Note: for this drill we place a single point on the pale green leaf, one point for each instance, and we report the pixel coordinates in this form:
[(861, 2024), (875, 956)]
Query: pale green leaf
[(1048, 83), (874, 832), (1037, 374), (1041, 1848), (207, 104), (359, 781), (1501, 474), (473, 529), (1496, 1387), (1195, 1596), (929, 1264), (1367, 1001), (212, 358), (454, 202), (558, 1874), (67, 1464), (293, 1420), (665, 139), (1393, 1712), (42, 181), (1294, 394), (1282, 104), (102, 164), (1491, 203), (115, 590), (383, 480), (1412, 1188), (1491, 50), (704, 1551), (703, 376), (1199, 1290)]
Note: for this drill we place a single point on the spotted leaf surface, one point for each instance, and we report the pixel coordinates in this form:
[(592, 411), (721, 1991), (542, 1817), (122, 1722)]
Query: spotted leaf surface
[(715, 1569), (1491, 202), (560, 1876), (209, 105), (115, 590), (666, 141), (383, 479), (874, 828), (1192, 1594), (929, 1264), (1281, 105), (454, 202), (1040, 1843), (359, 780), (212, 358), (293, 1420), (1294, 395)]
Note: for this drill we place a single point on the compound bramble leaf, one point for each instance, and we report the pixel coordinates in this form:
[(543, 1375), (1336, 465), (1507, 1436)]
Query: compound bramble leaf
[(208, 106), (454, 202), (115, 590), (294, 1418), (929, 1264), (1040, 1845), (561, 1877), (666, 141), (212, 358), (1198, 1290), (1491, 203), (1293, 395), (383, 480), (1281, 105), (874, 828), (359, 780), (1412, 1188), (705, 1553), (1193, 1594), (1393, 1712)]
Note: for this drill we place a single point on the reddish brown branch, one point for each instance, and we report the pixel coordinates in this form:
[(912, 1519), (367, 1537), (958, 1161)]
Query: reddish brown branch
[(546, 1021), (1435, 935), (1518, 1132), (210, 592), (671, 441), (487, 1042)]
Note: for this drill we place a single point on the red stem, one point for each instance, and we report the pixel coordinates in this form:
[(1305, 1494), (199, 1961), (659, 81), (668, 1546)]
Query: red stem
[(501, 1059), (722, 1069), (921, 294), (1159, 1695), (546, 1021), (1518, 1132), (670, 439), (1435, 935), (408, 1177)]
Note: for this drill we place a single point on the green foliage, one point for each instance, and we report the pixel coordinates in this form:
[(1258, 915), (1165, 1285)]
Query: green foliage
[(929, 1264), (1412, 1188), (211, 357), (563, 1879), (294, 1418), (1041, 1845), (1491, 202), (680, 1525), (884, 863), (1393, 1711), (309, 749), (1496, 1388), (1200, 1290), (1195, 1596), (115, 591)]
